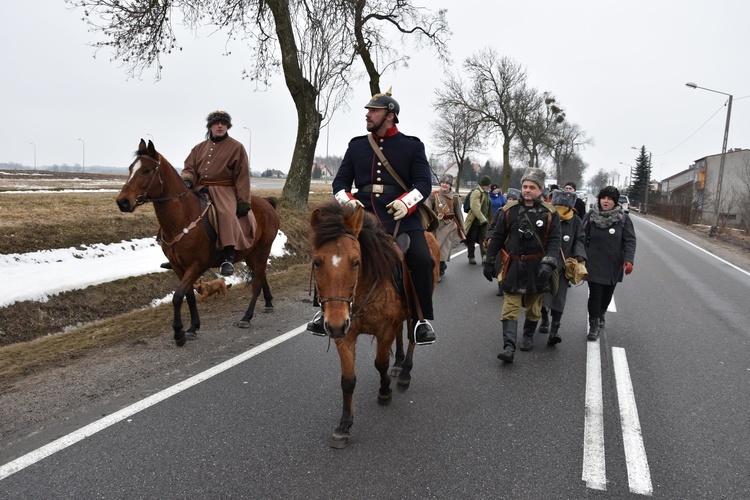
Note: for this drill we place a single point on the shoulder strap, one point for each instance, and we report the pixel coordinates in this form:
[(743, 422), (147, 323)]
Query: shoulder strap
[(385, 162)]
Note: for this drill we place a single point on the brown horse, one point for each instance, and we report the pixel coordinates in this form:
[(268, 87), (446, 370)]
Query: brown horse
[(184, 238), (353, 262)]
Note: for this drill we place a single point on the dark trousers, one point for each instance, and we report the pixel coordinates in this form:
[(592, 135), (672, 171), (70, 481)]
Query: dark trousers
[(476, 235), (421, 266), (599, 298)]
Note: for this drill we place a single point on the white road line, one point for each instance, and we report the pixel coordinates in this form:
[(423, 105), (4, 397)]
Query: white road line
[(60, 444), (594, 471), (639, 476)]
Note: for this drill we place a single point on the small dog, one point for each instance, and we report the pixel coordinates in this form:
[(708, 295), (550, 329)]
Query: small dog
[(208, 288)]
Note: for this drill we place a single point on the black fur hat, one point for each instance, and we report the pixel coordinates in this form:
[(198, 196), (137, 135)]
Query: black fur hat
[(610, 191), (218, 116)]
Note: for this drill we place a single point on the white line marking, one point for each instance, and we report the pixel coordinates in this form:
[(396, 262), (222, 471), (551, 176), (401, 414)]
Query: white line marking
[(594, 470), (696, 246), (639, 476), (60, 444)]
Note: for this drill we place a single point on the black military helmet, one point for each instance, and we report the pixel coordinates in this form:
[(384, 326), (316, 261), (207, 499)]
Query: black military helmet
[(218, 116), (384, 100)]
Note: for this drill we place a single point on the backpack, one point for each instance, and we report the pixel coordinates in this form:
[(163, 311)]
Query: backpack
[(467, 201)]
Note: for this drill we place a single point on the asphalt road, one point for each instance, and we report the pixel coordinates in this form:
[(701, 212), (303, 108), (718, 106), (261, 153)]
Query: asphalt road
[(659, 406)]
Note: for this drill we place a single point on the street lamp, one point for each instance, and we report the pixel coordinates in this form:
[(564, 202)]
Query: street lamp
[(715, 224), (648, 181), (631, 173), (249, 144), (34, 154), (83, 163)]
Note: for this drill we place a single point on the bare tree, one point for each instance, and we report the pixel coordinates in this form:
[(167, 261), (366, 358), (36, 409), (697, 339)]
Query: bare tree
[(538, 119), (456, 134), (492, 94), (565, 145)]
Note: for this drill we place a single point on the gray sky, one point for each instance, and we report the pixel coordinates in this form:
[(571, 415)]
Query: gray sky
[(618, 69)]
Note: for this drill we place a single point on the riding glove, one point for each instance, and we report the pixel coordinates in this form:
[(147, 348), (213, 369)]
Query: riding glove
[(545, 272), (398, 208), (242, 209), (188, 183)]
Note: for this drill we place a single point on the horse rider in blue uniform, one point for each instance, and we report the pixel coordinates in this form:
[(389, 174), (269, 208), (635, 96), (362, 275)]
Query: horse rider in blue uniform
[(379, 193)]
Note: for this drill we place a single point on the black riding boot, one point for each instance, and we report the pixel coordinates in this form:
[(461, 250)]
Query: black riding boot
[(593, 329), (554, 337), (227, 267), (510, 330), (529, 327), (544, 325), (499, 289), (316, 326)]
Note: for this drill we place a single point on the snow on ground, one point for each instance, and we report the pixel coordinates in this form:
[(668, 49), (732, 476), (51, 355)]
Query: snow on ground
[(40, 275)]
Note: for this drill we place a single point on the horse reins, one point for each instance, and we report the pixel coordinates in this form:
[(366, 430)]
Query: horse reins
[(141, 198)]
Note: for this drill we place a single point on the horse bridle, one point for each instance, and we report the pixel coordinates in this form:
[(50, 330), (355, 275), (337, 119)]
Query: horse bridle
[(141, 198)]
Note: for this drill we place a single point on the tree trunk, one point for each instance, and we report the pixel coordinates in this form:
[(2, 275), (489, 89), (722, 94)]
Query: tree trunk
[(297, 185), (506, 165)]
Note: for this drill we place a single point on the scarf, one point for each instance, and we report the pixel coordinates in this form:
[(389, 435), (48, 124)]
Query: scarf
[(604, 219), (566, 213)]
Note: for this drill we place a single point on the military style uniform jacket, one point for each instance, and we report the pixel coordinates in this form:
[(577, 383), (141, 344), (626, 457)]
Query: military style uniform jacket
[(376, 187), (519, 224)]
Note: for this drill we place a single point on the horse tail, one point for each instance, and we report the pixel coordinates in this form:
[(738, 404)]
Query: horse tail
[(272, 201)]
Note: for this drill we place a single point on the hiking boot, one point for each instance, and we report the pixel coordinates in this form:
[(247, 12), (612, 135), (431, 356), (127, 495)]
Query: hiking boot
[(316, 326), (593, 329), (424, 333), (544, 325), (529, 327), (227, 268), (472, 261), (166, 265), (601, 321), (554, 337)]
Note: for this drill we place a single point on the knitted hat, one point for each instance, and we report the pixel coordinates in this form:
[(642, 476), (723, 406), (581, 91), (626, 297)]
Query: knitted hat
[(571, 184), (485, 181), (447, 178), (218, 116), (564, 198), (513, 194), (610, 191), (535, 175)]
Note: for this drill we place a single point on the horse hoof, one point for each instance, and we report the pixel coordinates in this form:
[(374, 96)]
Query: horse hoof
[(385, 399), (191, 335), (181, 341), (339, 441), (403, 383), (244, 324)]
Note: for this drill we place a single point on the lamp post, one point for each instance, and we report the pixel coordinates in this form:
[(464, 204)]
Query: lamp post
[(34, 154), (648, 181), (249, 144), (631, 173), (83, 163), (715, 224)]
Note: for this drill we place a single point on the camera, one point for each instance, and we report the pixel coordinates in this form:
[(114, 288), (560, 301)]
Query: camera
[(526, 233)]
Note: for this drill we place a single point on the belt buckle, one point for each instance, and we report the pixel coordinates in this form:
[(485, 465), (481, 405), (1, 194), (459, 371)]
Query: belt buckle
[(377, 188)]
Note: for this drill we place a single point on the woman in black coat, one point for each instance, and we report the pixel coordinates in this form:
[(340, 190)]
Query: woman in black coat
[(610, 248)]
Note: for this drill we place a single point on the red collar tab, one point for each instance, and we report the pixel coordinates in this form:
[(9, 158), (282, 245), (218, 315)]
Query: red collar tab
[(388, 133)]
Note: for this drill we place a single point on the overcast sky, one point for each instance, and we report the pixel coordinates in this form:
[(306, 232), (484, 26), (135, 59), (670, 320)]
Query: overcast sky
[(618, 68)]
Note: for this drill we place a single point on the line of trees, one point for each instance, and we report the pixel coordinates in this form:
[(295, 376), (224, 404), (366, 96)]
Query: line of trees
[(494, 103)]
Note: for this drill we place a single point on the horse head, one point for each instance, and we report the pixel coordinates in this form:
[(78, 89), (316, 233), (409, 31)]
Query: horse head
[(337, 261), (145, 181)]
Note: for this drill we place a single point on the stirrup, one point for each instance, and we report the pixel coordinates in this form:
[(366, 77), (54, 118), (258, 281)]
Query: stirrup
[(429, 326)]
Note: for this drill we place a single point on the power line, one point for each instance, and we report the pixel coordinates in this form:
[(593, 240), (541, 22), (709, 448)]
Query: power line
[(691, 135)]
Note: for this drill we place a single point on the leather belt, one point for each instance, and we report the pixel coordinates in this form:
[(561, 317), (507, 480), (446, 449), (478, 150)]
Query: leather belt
[(380, 188), (527, 257)]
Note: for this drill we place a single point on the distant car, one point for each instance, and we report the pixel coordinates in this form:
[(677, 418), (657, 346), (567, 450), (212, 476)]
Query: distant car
[(582, 195), (625, 203)]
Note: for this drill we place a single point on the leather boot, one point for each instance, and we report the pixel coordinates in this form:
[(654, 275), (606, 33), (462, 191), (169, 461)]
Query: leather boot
[(601, 322), (316, 326), (554, 336), (510, 329), (529, 327), (544, 325), (227, 267), (593, 329)]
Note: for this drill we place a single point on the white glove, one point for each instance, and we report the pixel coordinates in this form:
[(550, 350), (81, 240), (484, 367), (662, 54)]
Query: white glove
[(347, 200), (398, 208)]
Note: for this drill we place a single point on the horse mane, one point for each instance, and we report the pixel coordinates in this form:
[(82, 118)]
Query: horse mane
[(379, 254)]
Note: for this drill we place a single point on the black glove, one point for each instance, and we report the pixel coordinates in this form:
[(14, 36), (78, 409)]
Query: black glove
[(484, 223), (489, 271), (188, 183), (242, 209), (545, 272)]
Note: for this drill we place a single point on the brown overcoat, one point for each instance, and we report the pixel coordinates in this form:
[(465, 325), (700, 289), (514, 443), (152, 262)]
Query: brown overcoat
[(223, 167)]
